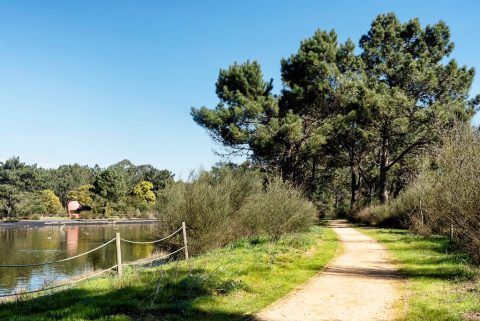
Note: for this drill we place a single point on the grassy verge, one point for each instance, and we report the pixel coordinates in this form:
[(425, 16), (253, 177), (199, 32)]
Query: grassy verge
[(442, 285), (227, 284)]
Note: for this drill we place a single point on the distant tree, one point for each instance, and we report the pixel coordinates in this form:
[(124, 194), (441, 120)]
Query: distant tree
[(110, 187), (159, 178), (144, 191), (82, 194), (128, 171), (50, 201), (11, 196), (133, 174), (68, 177), (15, 179)]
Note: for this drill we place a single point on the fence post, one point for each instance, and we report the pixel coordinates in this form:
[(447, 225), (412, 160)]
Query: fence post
[(184, 228), (119, 254)]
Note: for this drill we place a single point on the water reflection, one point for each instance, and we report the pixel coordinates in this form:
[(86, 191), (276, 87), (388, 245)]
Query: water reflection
[(27, 245)]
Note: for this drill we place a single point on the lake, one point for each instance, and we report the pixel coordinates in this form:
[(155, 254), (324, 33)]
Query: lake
[(25, 245)]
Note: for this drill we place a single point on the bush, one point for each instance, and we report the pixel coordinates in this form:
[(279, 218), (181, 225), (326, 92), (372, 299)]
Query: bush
[(445, 197), (50, 202), (450, 196), (38, 202), (220, 207), (89, 215), (397, 213), (373, 214)]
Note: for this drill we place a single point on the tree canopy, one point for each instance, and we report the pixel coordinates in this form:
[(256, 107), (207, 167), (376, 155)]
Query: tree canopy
[(366, 111), (28, 189)]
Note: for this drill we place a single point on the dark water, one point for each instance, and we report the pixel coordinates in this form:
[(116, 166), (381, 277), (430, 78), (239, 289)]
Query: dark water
[(27, 245)]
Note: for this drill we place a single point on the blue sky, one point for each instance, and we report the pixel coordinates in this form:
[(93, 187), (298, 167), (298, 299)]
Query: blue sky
[(100, 81)]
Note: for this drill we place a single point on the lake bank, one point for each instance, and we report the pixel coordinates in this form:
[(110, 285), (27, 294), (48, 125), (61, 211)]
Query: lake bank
[(26, 245), (227, 284)]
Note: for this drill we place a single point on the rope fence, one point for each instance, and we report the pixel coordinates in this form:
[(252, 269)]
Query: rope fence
[(60, 285), (119, 266), (57, 261), (153, 242), (143, 262)]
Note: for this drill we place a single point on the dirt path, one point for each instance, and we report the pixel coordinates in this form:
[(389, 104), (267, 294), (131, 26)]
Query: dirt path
[(360, 284)]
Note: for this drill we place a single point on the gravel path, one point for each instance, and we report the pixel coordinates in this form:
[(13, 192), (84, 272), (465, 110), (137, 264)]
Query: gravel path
[(360, 284)]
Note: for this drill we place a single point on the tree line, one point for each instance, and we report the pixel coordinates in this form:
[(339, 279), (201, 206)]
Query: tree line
[(349, 122), (120, 188)]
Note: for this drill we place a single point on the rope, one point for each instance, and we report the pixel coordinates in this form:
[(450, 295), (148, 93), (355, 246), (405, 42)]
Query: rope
[(152, 242), (92, 275), (155, 259), (60, 285), (58, 261)]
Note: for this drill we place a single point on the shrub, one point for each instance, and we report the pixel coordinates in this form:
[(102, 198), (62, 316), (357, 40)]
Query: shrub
[(397, 213), (450, 197), (278, 209), (50, 201), (222, 206), (444, 199), (82, 194), (373, 214), (38, 202), (89, 215)]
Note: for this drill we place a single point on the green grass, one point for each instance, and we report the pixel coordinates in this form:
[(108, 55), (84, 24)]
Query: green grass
[(227, 284), (442, 284)]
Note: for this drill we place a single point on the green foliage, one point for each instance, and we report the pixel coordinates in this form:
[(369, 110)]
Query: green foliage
[(109, 187), (370, 112), (396, 213), (105, 191), (444, 198), (132, 175), (38, 202), (411, 92), (17, 178), (143, 190), (82, 194), (245, 104), (50, 201), (29, 203), (67, 178), (223, 205)]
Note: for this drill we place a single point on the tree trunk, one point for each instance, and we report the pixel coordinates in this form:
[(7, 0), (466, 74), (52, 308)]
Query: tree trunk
[(312, 178), (353, 187), (382, 182)]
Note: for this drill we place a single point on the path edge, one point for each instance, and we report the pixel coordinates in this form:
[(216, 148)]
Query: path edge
[(402, 307), (300, 286)]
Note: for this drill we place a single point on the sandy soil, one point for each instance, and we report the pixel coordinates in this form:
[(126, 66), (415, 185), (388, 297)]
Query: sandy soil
[(360, 284)]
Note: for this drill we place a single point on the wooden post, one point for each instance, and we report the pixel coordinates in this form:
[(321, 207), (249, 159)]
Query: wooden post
[(119, 254), (184, 228), (451, 232)]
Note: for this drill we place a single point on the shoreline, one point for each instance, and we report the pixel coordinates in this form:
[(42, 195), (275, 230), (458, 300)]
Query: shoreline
[(40, 223)]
